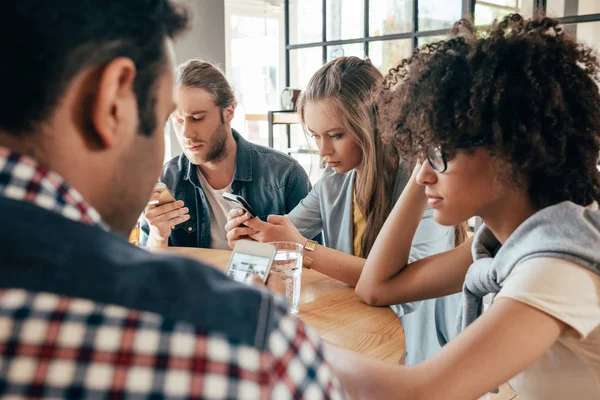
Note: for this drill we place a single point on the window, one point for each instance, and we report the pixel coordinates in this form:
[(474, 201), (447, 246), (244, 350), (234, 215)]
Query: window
[(438, 14), (486, 11), (569, 8), (388, 53), (387, 30), (383, 30), (588, 33), (345, 22), (387, 17)]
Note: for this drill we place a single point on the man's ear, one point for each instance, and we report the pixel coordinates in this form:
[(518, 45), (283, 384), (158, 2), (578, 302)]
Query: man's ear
[(115, 103), (228, 114)]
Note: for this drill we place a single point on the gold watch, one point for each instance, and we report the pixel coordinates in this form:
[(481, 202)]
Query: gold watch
[(310, 246)]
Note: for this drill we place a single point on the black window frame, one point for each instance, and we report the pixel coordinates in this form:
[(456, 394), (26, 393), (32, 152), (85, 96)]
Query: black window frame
[(468, 8)]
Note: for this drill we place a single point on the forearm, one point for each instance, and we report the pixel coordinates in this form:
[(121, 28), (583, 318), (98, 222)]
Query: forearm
[(504, 341), (391, 250), (364, 377), (431, 277), (336, 264)]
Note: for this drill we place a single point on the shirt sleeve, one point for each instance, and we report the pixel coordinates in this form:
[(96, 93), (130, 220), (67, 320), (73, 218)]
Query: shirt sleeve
[(299, 186), (306, 216), (560, 288), (430, 238), (299, 368)]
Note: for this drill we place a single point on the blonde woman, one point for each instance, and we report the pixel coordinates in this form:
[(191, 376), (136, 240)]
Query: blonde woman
[(350, 203)]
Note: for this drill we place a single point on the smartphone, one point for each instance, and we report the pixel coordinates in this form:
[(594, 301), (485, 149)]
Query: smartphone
[(239, 201), (250, 258), (165, 195)]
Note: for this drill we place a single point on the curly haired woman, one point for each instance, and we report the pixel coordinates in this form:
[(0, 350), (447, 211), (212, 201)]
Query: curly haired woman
[(505, 125)]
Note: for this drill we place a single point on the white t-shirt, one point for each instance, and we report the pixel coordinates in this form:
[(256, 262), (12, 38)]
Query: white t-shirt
[(219, 208), (570, 368)]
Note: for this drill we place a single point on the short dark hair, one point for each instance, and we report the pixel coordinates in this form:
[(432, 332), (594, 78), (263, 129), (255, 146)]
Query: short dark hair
[(524, 86), (204, 75), (46, 43)]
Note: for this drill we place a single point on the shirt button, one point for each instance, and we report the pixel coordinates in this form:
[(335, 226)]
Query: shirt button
[(190, 229)]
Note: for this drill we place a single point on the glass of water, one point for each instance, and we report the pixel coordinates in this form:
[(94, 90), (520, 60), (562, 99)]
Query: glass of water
[(288, 264)]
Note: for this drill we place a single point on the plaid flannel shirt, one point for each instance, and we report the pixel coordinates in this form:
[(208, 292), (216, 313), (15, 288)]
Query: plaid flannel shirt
[(54, 346)]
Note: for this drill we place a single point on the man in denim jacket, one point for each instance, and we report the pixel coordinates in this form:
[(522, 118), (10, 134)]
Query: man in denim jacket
[(216, 160)]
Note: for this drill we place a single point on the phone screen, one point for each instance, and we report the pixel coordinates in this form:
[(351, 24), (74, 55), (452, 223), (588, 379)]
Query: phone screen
[(242, 266)]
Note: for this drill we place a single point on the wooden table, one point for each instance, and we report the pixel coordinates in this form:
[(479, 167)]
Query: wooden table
[(334, 310)]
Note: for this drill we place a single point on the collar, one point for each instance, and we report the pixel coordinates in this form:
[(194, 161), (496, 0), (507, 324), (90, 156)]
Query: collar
[(23, 178)]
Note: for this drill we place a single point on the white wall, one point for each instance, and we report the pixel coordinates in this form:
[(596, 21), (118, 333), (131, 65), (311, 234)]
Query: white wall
[(205, 40)]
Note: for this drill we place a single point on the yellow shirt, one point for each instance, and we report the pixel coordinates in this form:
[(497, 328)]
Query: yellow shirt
[(358, 223)]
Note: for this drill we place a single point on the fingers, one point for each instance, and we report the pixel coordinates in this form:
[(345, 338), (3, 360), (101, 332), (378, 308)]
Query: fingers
[(236, 212), (258, 236), (277, 219), (256, 224), (237, 221), (179, 220), (153, 212), (238, 234), (171, 215)]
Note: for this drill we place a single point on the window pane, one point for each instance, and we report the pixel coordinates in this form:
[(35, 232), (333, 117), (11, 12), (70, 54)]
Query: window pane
[(306, 18), (345, 22), (388, 53), (564, 8), (505, 3), (438, 14), (486, 13), (255, 60), (356, 49), (303, 64), (430, 39), (588, 33), (387, 17)]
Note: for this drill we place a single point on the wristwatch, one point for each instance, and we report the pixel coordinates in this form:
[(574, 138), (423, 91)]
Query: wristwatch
[(309, 246)]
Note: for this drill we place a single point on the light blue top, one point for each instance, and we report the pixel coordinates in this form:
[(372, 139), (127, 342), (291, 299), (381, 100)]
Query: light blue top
[(329, 208)]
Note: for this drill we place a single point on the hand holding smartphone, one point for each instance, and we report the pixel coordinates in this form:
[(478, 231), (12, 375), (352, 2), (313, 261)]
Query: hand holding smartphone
[(250, 258), (163, 214)]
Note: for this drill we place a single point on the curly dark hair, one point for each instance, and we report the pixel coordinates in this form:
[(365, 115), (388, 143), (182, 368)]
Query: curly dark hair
[(46, 43), (524, 86)]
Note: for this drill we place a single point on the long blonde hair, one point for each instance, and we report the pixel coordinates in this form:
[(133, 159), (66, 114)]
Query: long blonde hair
[(347, 84)]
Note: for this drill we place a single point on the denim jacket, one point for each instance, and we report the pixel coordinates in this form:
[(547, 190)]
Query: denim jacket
[(271, 182)]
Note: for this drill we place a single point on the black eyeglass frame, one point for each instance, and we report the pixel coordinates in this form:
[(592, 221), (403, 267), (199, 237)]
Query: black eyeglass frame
[(461, 144)]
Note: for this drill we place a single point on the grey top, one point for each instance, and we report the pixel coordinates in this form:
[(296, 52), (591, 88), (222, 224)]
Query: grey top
[(566, 231), (329, 208)]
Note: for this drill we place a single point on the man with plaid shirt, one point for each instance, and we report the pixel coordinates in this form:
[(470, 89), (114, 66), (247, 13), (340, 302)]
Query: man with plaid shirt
[(85, 92)]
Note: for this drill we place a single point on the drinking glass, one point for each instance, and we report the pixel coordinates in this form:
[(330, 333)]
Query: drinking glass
[(288, 264)]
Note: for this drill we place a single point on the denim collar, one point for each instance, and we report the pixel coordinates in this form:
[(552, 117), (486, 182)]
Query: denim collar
[(243, 162)]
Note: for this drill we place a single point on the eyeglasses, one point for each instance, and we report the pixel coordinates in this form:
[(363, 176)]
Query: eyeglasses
[(439, 161)]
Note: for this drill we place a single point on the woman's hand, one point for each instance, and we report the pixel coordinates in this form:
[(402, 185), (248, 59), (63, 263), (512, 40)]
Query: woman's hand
[(277, 228), (241, 226)]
